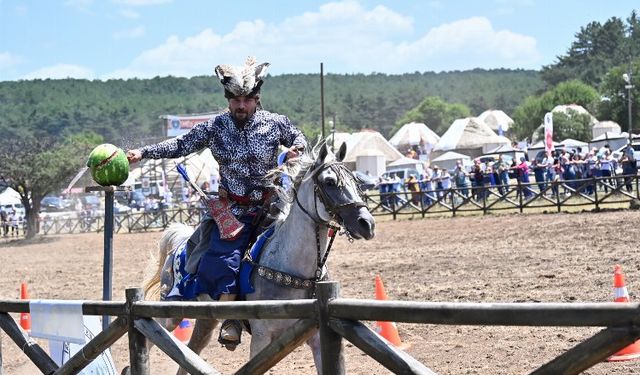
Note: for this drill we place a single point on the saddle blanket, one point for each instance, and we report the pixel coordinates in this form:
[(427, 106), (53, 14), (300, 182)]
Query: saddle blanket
[(183, 287)]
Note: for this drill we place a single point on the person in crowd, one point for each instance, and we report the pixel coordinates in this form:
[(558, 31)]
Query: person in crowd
[(522, 170), (502, 168), (4, 224), (445, 182), (629, 169), (437, 181), (478, 180), (414, 188), (426, 185), (460, 176), (538, 173), (245, 141), (590, 171), (605, 165)]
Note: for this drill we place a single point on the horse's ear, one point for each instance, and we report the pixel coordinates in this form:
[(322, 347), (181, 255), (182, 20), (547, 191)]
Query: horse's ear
[(342, 152), (324, 151)]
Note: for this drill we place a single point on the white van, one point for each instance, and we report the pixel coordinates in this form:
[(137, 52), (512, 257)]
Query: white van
[(17, 207)]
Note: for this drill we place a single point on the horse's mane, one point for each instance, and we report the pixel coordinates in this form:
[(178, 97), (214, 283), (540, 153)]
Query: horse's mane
[(172, 237), (295, 170)]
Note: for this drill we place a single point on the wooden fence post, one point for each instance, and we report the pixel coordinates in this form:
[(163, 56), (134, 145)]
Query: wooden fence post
[(1, 352), (595, 193), (331, 348), (138, 352)]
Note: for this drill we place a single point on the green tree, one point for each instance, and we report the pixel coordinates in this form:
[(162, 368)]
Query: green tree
[(615, 96), (35, 167), (435, 113), (529, 115), (597, 48)]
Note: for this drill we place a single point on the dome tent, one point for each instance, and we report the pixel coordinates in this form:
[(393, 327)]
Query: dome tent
[(496, 119), (412, 134), (605, 127), (469, 136)]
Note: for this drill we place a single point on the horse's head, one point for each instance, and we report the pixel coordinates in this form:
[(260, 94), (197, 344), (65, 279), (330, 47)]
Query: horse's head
[(337, 196)]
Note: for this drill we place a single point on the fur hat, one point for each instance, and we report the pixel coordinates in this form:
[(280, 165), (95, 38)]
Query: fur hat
[(242, 80)]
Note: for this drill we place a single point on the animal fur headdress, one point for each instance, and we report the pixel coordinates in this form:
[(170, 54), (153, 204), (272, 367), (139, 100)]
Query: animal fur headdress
[(242, 80)]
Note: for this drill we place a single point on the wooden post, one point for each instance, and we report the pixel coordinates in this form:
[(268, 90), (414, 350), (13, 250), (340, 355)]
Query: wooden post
[(595, 193), (138, 352), (331, 349), (1, 372)]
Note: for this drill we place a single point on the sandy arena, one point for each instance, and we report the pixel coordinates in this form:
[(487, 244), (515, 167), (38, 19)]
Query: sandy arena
[(512, 258)]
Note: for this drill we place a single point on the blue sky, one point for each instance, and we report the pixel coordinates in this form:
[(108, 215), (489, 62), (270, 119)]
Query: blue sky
[(103, 39)]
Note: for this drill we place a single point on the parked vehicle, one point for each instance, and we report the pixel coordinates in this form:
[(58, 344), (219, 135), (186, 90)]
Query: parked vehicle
[(54, 204)]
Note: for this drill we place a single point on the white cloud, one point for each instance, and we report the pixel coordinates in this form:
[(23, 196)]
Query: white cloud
[(61, 71), (130, 14), (8, 60), (345, 36), (136, 32), (141, 2)]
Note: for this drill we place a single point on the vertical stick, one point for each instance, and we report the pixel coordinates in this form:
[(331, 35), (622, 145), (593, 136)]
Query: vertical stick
[(1, 372), (108, 252), (331, 348), (322, 97), (138, 352)]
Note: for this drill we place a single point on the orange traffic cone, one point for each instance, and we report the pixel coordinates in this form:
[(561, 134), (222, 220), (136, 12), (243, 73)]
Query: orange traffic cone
[(621, 295), (25, 318), (386, 329), (183, 331)]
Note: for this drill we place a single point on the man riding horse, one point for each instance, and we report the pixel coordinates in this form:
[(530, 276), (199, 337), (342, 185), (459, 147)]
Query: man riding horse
[(244, 141)]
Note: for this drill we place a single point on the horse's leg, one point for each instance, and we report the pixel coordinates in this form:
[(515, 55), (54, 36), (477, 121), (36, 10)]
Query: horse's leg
[(260, 337), (314, 344), (202, 332)]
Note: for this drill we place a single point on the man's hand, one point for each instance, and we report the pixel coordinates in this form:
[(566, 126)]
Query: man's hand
[(134, 156), (294, 151)]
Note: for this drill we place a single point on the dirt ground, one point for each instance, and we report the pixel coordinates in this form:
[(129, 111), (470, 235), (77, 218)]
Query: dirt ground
[(511, 258)]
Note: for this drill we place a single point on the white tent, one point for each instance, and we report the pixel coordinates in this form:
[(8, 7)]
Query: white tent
[(448, 160), (469, 136), (605, 127), (534, 149), (573, 143), (412, 134), (496, 119), (365, 143), (614, 140), (9, 196)]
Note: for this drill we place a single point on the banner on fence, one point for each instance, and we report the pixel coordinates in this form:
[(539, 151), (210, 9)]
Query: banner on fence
[(61, 351), (548, 132)]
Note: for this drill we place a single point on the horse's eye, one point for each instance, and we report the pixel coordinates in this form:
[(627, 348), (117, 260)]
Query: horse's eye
[(330, 182)]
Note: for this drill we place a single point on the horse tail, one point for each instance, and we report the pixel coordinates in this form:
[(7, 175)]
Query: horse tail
[(175, 235)]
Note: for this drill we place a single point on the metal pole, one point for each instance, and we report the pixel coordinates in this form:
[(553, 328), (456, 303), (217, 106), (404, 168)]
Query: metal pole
[(629, 87), (108, 252), (322, 97)]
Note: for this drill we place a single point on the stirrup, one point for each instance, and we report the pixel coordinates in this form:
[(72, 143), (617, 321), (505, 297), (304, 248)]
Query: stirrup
[(230, 344)]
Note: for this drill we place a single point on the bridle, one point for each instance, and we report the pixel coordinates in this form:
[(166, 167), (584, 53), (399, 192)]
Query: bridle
[(333, 205)]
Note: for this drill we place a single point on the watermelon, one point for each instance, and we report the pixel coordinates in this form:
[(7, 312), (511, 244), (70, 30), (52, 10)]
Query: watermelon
[(108, 165)]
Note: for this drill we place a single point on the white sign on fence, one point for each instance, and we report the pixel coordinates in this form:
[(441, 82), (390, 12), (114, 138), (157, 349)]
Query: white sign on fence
[(61, 351)]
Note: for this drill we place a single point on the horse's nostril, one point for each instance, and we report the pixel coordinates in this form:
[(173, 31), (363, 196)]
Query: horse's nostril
[(366, 225)]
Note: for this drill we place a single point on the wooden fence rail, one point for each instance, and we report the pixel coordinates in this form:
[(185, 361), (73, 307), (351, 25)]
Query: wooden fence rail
[(336, 318)]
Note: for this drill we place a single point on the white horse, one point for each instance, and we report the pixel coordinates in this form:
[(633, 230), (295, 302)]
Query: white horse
[(324, 194)]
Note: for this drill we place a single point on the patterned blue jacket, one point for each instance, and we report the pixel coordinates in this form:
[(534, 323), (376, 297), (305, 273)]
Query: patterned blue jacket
[(245, 154)]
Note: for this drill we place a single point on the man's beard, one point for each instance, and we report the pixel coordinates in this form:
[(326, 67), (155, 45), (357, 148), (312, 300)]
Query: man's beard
[(240, 117)]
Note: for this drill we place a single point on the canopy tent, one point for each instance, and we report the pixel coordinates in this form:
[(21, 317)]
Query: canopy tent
[(365, 143), (502, 149), (614, 140), (534, 149), (448, 160), (414, 134), (496, 119), (573, 143), (605, 127), (469, 136), (405, 162)]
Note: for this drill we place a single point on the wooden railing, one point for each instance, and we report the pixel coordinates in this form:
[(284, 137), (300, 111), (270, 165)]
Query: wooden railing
[(337, 319)]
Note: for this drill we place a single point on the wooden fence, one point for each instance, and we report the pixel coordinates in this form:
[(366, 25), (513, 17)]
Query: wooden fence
[(337, 319)]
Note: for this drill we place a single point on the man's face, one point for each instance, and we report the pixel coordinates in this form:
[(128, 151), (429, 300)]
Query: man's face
[(242, 107)]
